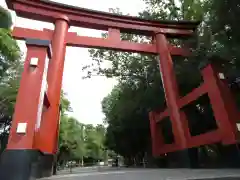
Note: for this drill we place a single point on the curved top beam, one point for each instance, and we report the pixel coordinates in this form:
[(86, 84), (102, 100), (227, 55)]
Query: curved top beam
[(49, 11)]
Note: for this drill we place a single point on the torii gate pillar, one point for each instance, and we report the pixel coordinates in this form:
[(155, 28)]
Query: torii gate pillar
[(44, 138), (21, 151), (49, 125)]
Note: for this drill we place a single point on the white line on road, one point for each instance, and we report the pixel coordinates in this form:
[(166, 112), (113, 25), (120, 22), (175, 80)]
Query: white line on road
[(84, 174)]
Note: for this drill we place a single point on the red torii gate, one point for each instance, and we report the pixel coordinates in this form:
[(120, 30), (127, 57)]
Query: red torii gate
[(36, 119), (223, 106)]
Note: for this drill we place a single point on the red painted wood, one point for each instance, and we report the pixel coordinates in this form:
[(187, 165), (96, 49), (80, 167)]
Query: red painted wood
[(46, 11), (157, 139), (40, 142), (160, 147), (185, 125), (25, 33), (114, 35), (221, 106), (57, 134), (26, 107), (205, 139), (192, 96), (56, 65), (224, 108), (162, 115), (171, 90), (230, 104), (91, 42), (73, 39)]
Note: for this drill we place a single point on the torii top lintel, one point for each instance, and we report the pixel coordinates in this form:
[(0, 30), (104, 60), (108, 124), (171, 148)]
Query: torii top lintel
[(48, 11)]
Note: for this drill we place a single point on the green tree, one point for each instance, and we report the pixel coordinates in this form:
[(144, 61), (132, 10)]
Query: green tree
[(71, 142), (126, 110), (10, 72), (223, 23), (10, 65), (65, 104), (5, 18), (78, 141), (9, 50), (94, 137)]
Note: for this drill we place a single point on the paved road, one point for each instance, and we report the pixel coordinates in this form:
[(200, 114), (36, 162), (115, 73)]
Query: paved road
[(149, 174)]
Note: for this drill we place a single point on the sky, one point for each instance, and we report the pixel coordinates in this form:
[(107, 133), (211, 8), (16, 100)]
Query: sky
[(85, 95)]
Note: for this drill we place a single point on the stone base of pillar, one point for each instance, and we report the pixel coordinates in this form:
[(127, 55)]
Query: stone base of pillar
[(55, 162), (45, 165), (25, 165), (19, 164), (187, 158), (230, 156)]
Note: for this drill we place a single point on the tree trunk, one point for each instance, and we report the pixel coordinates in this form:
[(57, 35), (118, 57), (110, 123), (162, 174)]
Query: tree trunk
[(82, 163)]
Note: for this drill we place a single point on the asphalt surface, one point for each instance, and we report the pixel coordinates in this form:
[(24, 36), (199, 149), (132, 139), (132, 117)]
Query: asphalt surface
[(148, 174)]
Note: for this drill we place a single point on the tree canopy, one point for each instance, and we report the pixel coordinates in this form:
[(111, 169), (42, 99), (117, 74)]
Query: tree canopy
[(78, 141)]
